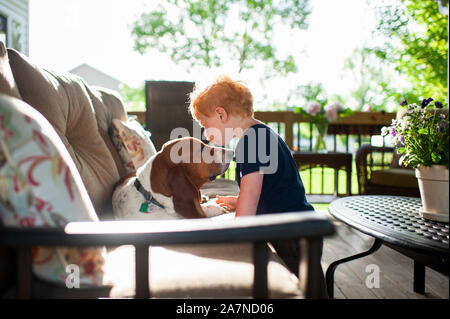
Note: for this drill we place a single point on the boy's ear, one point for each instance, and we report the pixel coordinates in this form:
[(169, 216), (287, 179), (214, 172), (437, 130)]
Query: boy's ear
[(222, 113)]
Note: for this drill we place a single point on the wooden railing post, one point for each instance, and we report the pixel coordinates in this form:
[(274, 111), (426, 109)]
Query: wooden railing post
[(288, 130)]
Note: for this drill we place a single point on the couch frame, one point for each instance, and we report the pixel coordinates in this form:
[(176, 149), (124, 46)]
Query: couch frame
[(307, 227)]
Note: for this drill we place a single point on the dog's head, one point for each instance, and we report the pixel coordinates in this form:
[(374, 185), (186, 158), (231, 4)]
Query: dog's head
[(181, 167)]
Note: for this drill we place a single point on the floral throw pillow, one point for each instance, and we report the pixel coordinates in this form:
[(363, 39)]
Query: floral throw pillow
[(132, 142), (41, 187)]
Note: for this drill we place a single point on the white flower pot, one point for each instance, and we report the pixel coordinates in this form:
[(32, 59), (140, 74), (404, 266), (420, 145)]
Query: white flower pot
[(433, 186)]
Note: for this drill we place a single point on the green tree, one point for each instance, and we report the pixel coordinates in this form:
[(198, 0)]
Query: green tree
[(206, 32), (415, 41), (133, 97), (373, 82), (313, 92)]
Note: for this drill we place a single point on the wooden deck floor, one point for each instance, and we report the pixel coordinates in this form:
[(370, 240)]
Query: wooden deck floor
[(396, 270)]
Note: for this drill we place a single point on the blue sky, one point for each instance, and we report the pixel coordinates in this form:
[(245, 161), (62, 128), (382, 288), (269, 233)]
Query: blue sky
[(64, 34)]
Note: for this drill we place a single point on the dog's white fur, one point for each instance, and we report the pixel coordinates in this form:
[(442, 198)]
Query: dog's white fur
[(127, 200)]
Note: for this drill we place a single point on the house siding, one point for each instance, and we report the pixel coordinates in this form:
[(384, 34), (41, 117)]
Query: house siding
[(17, 13), (92, 76)]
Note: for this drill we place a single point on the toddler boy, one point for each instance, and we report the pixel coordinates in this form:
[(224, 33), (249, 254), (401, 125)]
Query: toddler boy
[(267, 174)]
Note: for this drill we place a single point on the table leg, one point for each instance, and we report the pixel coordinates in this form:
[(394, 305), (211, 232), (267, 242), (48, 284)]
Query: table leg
[(419, 277), (332, 267)]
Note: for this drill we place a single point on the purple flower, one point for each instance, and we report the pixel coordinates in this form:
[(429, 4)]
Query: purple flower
[(425, 102), (441, 126), (392, 132), (438, 105), (404, 102), (402, 139)]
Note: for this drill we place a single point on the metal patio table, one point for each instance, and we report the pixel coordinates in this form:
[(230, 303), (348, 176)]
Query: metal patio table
[(394, 221)]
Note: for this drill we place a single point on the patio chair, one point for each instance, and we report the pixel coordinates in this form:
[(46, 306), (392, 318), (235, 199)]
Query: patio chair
[(379, 173), (167, 109)]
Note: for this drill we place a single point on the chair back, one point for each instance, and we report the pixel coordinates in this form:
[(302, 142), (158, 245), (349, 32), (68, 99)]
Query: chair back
[(167, 105)]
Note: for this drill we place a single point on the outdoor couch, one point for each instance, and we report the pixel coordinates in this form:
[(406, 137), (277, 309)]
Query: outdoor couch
[(63, 218)]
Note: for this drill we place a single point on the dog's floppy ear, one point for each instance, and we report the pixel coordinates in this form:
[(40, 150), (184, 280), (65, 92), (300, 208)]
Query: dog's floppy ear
[(185, 195), (159, 175)]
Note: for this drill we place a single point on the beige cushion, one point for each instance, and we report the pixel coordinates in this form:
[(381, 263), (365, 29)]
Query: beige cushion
[(7, 84), (204, 271), (66, 102), (394, 177), (40, 187), (108, 105), (220, 186)]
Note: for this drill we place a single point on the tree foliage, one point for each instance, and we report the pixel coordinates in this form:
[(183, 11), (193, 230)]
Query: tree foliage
[(134, 97), (313, 92), (415, 37), (369, 78), (206, 32), (378, 86)]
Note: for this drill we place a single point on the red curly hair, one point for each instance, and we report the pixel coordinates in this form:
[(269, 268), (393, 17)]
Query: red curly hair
[(234, 96)]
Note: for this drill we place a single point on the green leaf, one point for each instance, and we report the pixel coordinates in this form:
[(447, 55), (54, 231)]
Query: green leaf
[(347, 112), (436, 158)]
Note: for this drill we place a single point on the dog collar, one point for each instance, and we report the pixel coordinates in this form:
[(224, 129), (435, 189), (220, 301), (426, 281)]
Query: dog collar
[(149, 199)]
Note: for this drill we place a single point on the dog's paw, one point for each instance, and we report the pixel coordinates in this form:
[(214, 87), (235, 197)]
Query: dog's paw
[(204, 199), (211, 209)]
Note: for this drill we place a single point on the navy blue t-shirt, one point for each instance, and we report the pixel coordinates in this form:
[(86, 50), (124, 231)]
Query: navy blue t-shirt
[(261, 149)]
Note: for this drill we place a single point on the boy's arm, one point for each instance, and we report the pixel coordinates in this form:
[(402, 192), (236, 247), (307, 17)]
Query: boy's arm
[(249, 193)]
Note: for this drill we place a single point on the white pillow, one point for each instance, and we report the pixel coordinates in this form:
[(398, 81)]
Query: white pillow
[(132, 142)]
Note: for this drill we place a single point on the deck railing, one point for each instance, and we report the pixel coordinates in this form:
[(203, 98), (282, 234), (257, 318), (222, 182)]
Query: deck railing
[(346, 134), (293, 126)]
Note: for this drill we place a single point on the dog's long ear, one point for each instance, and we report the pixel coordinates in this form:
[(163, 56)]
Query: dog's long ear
[(185, 195), (159, 175)]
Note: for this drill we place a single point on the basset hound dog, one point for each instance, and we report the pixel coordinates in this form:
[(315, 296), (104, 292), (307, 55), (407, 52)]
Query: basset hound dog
[(168, 185)]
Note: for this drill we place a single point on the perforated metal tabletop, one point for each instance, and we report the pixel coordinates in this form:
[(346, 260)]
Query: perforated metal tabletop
[(395, 221)]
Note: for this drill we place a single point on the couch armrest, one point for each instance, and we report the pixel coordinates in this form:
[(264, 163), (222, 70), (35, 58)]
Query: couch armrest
[(309, 227), (168, 232), (363, 167)]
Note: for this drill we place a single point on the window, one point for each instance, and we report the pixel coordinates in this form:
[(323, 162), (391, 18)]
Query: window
[(16, 35), (3, 29)]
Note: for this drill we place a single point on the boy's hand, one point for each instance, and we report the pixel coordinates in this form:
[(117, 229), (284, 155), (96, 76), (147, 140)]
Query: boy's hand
[(228, 202)]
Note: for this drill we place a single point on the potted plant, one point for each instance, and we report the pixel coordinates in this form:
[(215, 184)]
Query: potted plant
[(421, 136)]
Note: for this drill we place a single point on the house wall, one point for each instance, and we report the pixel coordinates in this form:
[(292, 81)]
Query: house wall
[(96, 77), (17, 13)]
